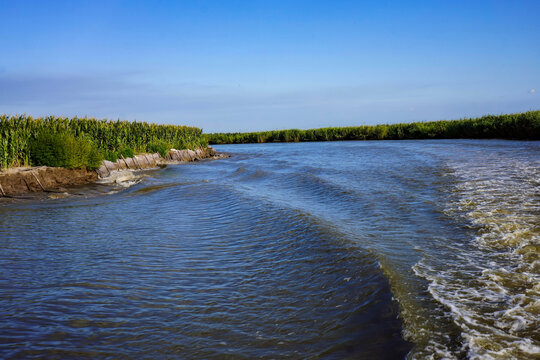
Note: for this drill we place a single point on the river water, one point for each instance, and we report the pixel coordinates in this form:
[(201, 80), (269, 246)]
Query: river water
[(336, 250)]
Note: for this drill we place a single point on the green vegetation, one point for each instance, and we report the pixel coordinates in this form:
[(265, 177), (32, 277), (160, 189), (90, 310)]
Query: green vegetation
[(160, 146), (84, 142), (512, 126), (64, 150)]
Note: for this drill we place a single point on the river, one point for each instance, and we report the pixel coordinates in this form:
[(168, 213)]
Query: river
[(335, 250)]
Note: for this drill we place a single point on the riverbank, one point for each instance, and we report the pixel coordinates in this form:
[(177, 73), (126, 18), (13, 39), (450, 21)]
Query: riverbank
[(23, 180), (85, 142)]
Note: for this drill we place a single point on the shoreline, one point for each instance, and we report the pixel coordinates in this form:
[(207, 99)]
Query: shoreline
[(15, 182)]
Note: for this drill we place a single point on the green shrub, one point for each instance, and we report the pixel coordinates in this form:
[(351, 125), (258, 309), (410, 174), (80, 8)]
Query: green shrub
[(126, 152), (111, 155), (64, 150), (159, 146)]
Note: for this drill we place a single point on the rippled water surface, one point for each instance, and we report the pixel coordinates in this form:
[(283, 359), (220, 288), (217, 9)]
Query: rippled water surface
[(337, 250)]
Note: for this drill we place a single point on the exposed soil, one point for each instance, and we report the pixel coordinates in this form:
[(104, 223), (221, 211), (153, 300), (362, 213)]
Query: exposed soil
[(24, 180), (18, 181)]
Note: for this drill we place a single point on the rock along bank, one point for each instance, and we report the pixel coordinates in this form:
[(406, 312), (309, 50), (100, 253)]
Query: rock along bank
[(19, 181)]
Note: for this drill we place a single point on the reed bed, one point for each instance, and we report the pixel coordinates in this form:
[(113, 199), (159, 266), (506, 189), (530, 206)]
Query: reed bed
[(25, 140), (510, 126)]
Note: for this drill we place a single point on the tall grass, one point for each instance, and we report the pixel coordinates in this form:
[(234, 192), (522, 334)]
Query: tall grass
[(511, 126), (110, 138)]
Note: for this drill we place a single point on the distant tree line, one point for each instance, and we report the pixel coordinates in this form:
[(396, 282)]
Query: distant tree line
[(85, 142), (511, 126)]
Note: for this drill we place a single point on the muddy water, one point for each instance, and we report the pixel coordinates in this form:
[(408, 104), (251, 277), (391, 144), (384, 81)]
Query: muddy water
[(390, 249)]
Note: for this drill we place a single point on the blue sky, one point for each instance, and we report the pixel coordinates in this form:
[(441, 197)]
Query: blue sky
[(258, 65)]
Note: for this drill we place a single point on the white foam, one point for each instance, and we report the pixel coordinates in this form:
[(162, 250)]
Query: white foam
[(491, 286)]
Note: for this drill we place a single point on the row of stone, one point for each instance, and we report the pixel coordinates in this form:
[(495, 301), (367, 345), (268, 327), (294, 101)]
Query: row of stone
[(190, 155), (138, 162), (148, 161), (49, 179)]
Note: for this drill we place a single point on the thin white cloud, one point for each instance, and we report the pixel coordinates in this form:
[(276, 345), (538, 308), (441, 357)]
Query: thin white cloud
[(218, 107), (532, 91)]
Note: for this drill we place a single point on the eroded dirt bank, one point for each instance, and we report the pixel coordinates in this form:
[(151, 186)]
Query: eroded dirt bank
[(20, 181), (24, 180)]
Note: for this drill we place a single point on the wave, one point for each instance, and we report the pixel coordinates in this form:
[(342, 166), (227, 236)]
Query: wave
[(491, 286)]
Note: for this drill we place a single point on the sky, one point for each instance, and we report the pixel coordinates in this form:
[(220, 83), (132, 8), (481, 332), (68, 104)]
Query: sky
[(264, 65)]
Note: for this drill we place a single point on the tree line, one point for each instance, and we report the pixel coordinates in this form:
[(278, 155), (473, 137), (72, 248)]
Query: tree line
[(510, 126)]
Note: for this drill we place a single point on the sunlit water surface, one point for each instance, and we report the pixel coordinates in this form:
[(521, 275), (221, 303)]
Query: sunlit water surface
[(379, 250)]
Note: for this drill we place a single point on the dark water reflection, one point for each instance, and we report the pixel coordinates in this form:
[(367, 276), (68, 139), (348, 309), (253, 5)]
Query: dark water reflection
[(193, 271)]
